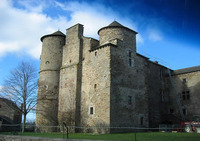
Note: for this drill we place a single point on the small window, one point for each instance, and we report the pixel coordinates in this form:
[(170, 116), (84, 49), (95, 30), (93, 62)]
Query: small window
[(186, 95), (129, 100), (95, 86), (183, 96), (91, 111), (130, 62), (171, 111), (141, 120), (129, 53), (70, 61), (95, 53), (184, 111), (47, 62), (184, 80), (130, 58)]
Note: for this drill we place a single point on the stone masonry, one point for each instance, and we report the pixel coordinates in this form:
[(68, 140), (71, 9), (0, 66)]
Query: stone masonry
[(88, 83)]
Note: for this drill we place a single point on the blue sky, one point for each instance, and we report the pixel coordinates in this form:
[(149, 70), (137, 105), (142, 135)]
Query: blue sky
[(168, 29)]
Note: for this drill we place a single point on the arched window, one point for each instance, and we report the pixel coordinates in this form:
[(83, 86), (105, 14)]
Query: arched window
[(47, 62)]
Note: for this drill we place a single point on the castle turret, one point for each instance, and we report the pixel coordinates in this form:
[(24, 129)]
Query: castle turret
[(117, 31), (48, 84)]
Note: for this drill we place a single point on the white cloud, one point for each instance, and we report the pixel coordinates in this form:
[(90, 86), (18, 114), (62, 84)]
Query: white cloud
[(154, 35), (21, 29)]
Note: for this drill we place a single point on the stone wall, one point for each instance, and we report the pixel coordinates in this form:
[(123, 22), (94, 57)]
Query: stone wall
[(9, 112), (129, 101), (187, 87), (157, 94), (95, 94), (70, 77)]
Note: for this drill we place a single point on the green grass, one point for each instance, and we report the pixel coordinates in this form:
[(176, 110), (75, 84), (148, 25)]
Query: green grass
[(149, 136)]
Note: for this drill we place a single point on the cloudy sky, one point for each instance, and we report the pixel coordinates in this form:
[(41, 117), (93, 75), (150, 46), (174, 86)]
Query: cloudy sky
[(169, 30)]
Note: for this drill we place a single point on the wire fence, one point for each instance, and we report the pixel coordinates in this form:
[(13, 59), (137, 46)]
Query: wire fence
[(163, 133)]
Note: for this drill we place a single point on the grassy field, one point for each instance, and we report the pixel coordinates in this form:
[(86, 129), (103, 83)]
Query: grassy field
[(149, 136)]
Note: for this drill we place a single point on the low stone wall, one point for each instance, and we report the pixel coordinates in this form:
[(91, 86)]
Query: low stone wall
[(27, 138)]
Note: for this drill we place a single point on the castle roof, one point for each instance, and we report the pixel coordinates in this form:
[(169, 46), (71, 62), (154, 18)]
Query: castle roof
[(57, 33), (186, 70), (115, 24)]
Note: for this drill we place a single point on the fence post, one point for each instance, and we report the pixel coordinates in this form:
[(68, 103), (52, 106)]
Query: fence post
[(67, 132), (135, 135), (63, 130)]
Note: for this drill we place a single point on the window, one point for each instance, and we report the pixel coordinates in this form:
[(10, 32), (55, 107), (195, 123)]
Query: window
[(185, 95), (141, 120), (184, 111), (184, 80), (47, 62), (129, 62), (91, 111), (171, 111), (129, 53), (129, 100), (95, 86), (95, 53), (130, 59)]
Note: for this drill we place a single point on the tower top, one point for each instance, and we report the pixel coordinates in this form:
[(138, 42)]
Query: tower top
[(57, 33), (115, 24)]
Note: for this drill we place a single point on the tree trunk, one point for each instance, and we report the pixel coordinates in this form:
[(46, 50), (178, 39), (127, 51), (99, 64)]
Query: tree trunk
[(23, 123)]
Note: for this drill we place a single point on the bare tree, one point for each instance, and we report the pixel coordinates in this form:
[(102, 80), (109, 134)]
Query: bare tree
[(21, 87)]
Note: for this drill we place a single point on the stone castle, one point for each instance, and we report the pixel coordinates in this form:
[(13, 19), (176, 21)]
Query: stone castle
[(88, 83)]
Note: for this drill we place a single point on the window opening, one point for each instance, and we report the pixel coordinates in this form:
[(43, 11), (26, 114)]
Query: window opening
[(130, 59), (129, 100), (129, 53), (185, 95), (95, 53), (47, 62), (171, 111), (129, 62), (141, 120), (184, 80), (95, 86), (91, 111), (184, 111)]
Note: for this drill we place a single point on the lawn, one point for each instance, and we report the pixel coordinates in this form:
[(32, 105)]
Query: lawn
[(148, 136)]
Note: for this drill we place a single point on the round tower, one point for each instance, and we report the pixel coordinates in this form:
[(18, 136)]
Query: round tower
[(48, 84), (117, 31)]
